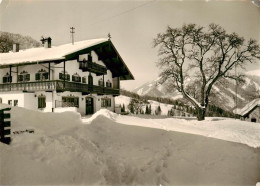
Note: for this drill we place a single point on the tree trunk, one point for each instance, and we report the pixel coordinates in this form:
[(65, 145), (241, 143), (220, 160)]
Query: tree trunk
[(201, 114)]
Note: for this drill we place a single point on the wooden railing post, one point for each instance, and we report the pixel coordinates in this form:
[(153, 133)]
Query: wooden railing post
[(4, 133)]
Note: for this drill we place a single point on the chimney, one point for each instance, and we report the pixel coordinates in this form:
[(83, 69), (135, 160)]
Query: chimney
[(16, 47), (46, 42)]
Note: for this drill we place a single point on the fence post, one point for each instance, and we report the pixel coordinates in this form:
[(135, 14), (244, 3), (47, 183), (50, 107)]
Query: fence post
[(5, 122)]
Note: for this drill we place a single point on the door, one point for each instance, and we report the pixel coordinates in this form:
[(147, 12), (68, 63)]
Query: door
[(89, 106)]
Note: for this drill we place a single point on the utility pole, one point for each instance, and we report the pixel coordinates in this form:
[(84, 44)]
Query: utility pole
[(72, 34), (236, 79)]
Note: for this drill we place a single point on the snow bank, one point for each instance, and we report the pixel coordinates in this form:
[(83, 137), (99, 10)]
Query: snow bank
[(65, 109), (228, 129), (42, 122), (219, 128), (63, 151), (253, 72), (102, 112)]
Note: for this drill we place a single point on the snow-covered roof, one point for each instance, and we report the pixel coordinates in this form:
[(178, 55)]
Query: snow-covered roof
[(248, 107), (47, 54)]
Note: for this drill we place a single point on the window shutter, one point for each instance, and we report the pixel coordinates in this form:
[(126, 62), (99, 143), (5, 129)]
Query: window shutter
[(39, 102), (4, 79), (27, 77), (37, 76), (44, 102), (83, 79), (20, 77), (46, 75), (68, 77), (60, 75)]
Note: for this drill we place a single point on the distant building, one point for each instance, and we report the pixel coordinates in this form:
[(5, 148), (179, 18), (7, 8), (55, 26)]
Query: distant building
[(250, 112), (82, 77)]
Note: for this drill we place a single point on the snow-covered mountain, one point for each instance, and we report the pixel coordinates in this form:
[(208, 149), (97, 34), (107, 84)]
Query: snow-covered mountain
[(224, 94)]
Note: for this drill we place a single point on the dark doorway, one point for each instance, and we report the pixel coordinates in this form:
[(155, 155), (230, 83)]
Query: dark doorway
[(89, 106), (253, 120)]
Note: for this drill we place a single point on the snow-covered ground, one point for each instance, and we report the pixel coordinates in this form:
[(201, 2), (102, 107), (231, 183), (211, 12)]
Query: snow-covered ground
[(107, 149), (220, 128), (253, 72)]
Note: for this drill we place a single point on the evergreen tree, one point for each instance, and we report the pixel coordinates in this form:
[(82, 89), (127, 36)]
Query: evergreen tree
[(146, 109), (158, 111), (150, 109), (123, 108)]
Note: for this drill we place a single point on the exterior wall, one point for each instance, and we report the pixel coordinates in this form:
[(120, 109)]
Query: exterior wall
[(30, 99), (72, 67), (82, 100), (13, 96), (255, 114), (31, 69)]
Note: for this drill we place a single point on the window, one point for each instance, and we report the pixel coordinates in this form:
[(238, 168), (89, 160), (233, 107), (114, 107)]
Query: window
[(76, 78), (15, 102), (84, 79), (67, 76), (24, 76), (100, 82), (70, 101), (41, 101), (108, 84), (7, 78), (105, 102), (0, 100), (42, 75), (10, 102)]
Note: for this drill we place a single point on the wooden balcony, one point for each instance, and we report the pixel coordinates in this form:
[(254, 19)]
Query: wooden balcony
[(59, 86), (92, 67)]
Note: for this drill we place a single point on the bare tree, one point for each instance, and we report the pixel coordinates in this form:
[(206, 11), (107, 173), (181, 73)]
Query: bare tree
[(195, 58)]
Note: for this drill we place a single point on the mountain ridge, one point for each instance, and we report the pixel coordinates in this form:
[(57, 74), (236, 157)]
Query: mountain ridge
[(223, 95)]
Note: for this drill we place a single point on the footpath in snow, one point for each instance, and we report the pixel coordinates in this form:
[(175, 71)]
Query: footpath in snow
[(220, 128)]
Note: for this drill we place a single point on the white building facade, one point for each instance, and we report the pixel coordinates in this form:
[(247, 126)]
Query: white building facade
[(83, 77)]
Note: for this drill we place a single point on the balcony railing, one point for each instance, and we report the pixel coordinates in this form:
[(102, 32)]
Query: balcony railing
[(92, 67), (57, 85)]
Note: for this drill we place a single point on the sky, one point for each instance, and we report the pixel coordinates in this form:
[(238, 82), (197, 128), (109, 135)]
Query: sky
[(132, 24)]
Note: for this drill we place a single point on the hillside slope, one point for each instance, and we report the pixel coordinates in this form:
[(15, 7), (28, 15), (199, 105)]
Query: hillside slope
[(7, 39), (223, 94)]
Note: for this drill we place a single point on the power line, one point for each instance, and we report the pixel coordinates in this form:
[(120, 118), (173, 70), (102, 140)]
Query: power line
[(125, 12)]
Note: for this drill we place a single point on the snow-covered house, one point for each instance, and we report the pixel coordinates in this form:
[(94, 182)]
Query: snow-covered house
[(84, 76), (251, 111)]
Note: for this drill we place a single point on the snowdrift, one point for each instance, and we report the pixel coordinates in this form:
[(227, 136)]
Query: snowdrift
[(103, 151), (220, 128)]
